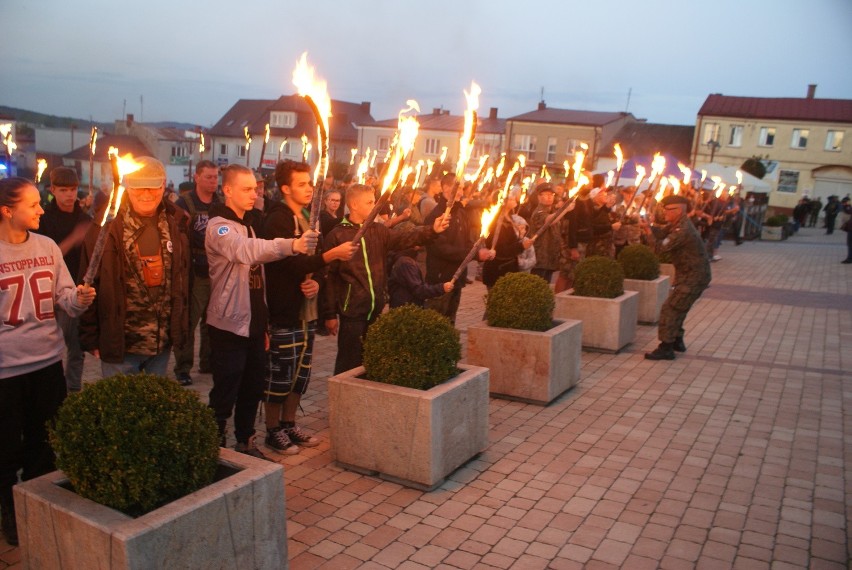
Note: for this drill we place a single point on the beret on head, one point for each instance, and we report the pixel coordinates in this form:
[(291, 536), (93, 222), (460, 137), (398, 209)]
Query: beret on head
[(63, 177), (674, 200), (152, 174)]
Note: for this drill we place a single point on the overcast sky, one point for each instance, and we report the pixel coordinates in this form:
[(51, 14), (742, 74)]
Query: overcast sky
[(192, 60)]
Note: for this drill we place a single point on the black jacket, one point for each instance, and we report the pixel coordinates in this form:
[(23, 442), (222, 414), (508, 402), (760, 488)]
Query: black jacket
[(587, 222), (446, 252), (406, 284), (57, 225), (507, 250), (283, 278), (356, 288)]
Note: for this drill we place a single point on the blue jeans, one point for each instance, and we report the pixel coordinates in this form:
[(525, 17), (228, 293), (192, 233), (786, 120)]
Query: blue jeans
[(136, 363)]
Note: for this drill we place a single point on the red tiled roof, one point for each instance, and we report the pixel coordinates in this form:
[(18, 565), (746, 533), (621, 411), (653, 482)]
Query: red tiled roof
[(570, 117), (126, 144), (450, 123), (644, 139), (780, 108), (254, 114)]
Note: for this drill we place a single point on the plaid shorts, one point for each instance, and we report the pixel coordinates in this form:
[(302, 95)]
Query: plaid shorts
[(290, 352)]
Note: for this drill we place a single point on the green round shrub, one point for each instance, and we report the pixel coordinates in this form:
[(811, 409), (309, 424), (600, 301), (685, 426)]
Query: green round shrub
[(599, 276), (776, 221), (520, 301), (639, 262), (413, 347), (135, 443)]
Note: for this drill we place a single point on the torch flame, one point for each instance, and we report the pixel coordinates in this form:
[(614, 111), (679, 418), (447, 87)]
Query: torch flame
[(266, 136), (619, 157), (248, 137), (581, 181), (579, 158), (739, 177), (126, 165), (610, 176), (640, 174), (42, 166), (443, 155), (675, 182), (501, 165), (406, 135), (523, 160), (6, 131), (488, 217), (305, 147), (417, 172), (469, 133), (489, 175), (93, 142), (658, 164), (201, 147), (309, 85), (375, 156), (717, 180), (282, 145), (687, 173), (354, 152), (703, 176), (430, 164)]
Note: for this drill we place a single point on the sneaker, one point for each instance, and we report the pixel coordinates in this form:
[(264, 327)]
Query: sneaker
[(184, 379), (299, 437), (250, 448), (716, 258), (278, 441)]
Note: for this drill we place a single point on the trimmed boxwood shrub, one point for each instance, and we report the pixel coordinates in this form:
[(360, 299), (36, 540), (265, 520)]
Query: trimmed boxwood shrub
[(413, 347), (776, 221), (639, 262), (599, 276), (520, 301), (135, 443)]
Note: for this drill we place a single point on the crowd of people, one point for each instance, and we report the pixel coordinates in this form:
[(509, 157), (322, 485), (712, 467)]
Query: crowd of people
[(240, 264)]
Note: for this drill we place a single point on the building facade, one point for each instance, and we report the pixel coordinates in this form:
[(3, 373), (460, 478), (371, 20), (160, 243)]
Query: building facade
[(804, 142)]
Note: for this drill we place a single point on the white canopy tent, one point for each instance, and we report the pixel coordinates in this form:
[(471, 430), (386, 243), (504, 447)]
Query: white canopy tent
[(728, 174)]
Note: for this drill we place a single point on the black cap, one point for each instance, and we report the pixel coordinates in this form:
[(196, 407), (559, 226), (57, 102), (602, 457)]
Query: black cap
[(544, 187), (674, 199)]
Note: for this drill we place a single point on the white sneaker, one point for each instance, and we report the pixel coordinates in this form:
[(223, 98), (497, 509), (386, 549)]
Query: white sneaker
[(715, 258)]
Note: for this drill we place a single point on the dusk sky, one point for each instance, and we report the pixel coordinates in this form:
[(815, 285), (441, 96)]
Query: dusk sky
[(191, 61)]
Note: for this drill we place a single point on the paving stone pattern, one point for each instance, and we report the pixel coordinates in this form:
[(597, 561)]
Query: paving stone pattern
[(731, 456)]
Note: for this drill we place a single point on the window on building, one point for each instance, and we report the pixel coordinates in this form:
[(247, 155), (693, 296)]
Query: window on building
[(223, 149), (736, 138), (282, 119), (788, 181), (241, 150), (384, 143), (573, 146), (834, 140), (551, 150), (480, 149), (525, 144), (767, 136), (433, 146), (711, 133), (800, 138), (178, 151)]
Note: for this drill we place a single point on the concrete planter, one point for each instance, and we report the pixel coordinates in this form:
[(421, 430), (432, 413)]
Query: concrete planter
[(528, 366), (235, 522), (608, 324), (652, 295), (773, 233), (668, 270), (413, 437)]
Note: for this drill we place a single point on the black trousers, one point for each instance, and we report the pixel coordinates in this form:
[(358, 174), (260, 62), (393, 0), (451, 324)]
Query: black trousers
[(350, 343), (27, 403), (239, 370)]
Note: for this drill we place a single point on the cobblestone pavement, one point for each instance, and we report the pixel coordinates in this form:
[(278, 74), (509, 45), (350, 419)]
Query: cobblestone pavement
[(733, 455)]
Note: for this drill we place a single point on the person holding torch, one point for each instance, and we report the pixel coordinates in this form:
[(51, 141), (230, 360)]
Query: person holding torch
[(34, 283)]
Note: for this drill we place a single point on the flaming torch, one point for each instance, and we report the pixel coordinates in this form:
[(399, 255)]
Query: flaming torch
[(263, 148), (315, 92), (402, 145), (619, 163), (579, 181), (487, 218), (8, 144), (42, 166), (501, 199), (92, 143), (466, 141), (281, 148), (248, 143), (354, 153), (120, 167)]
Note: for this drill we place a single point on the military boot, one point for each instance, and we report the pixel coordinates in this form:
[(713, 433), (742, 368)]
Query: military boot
[(663, 352), (678, 345)]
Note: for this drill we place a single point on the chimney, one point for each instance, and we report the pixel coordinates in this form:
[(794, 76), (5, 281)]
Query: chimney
[(492, 113), (445, 112), (811, 90), (436, 111), (365, 107), (129, 120), (542, 105)]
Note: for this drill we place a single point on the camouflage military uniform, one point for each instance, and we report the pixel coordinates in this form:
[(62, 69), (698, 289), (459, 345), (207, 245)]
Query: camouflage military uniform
[(692, 276), (547, 247)]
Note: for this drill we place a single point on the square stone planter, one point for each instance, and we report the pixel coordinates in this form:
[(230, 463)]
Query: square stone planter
[(608, 324), (235, 522), (528, 366), (413, 437), (772, 233), (652, 295)]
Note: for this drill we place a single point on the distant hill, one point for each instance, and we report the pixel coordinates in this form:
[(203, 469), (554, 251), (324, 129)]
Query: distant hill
[(45, 120)]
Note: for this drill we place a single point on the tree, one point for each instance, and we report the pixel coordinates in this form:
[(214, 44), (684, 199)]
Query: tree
[(754, 166)]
